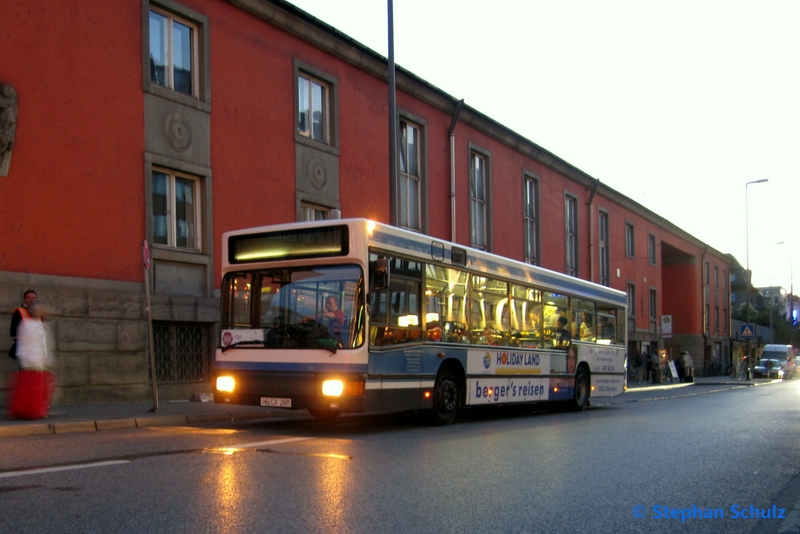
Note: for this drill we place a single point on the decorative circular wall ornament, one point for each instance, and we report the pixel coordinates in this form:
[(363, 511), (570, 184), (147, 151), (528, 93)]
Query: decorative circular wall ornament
[(178, 132), (316, 173)]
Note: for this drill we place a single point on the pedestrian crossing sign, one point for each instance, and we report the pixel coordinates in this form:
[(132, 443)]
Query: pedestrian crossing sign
[(748, 330)]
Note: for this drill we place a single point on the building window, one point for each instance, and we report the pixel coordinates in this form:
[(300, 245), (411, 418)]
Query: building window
[(706, 272), (708, 318), (175, 210), (410, 190), (571, 234), (629, 248), (725, 280), (173, 52), (631, 300), (716, 320), (716, 276), (605, 266), (312, 108), (651, 249), (531, 216), (653, 304), (315, 108), (479, 201), (312, 212)]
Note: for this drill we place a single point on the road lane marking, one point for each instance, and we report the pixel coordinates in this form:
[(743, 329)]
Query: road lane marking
[(254, 445), (25, 472)]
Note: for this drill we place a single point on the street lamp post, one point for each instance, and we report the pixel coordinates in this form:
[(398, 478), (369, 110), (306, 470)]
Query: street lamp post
[(771, 303), (747, 269)]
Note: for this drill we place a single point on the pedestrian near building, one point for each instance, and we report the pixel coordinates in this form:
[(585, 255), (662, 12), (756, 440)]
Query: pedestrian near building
[(741, 373), (20, 314), (32, 343), (655, 366), (31, 388), (686, 368), (641, 367)]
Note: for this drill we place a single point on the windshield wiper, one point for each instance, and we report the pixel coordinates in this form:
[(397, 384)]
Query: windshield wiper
[(247, 342)]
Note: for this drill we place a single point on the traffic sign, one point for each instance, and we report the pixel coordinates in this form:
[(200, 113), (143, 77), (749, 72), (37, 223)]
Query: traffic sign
[(145, 255), (748, 330)]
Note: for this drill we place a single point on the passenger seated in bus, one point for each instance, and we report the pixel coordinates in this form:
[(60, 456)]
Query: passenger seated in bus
[(489, 337), (606, 329), (534, 321), (561, 337), (586, 330)]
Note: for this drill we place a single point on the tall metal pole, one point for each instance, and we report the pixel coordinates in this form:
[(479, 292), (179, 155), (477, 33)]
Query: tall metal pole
[(393, 212), (146, 267), (747, 269)]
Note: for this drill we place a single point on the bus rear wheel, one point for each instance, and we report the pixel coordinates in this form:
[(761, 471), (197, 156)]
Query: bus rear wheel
[(580, 393), (446, 397)]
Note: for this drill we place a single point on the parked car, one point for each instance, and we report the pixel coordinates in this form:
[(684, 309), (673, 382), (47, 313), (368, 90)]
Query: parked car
[(768, 368), (783, 353)]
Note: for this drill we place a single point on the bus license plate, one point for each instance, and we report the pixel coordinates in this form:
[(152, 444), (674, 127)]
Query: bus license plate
[(276, 402)]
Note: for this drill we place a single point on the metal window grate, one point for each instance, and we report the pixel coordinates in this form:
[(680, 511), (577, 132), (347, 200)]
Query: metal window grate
[(181, 352)]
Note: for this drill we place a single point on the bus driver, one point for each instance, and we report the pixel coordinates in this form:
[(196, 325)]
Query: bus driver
[(333, 317)]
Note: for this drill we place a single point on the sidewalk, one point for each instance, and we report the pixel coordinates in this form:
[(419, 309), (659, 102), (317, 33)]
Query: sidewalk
[(703, 381), (98, 417)]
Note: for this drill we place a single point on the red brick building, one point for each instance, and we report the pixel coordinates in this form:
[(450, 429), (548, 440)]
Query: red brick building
[(173, 122)]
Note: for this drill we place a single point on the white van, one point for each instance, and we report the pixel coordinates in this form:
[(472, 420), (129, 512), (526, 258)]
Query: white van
[(783, 353)]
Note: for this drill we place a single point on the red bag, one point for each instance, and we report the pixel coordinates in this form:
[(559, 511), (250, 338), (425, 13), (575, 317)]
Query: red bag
[(31, 393)]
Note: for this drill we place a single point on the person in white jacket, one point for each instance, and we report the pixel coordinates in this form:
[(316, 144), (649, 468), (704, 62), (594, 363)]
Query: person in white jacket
[(32, 344)]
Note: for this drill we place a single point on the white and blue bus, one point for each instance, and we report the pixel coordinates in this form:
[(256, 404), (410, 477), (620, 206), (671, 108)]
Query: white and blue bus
[(354, 316)]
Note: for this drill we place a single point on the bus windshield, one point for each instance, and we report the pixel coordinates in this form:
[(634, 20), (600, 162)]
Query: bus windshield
[(294, 308)]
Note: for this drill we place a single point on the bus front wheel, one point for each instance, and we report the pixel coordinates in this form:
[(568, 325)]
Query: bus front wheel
[(580, 394), (446, 396)]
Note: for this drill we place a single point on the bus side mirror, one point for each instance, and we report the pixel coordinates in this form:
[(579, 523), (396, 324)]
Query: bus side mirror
[(379, 278)]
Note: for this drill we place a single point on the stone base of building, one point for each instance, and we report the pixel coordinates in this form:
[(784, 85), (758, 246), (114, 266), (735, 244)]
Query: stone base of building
[(98, 334)]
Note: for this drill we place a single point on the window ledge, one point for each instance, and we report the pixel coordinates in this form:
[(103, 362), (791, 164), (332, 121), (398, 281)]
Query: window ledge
[(160, 252), (318, 145), (169, 94)]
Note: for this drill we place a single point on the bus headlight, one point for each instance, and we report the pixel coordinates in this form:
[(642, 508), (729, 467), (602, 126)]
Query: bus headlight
[(332, 388), (226, 383)]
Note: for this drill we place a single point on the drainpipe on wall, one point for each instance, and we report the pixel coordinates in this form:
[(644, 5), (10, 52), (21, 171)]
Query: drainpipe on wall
[(393, 216), (591, 229), (703, 304), (451, 132)]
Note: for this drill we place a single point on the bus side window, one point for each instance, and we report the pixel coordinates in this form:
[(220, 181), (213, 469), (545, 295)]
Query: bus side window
[(583, 313), (379, 274), (396, 310), (606, 327), (239, 292)]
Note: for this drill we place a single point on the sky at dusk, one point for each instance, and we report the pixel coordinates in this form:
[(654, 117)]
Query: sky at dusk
[(676, 104)]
